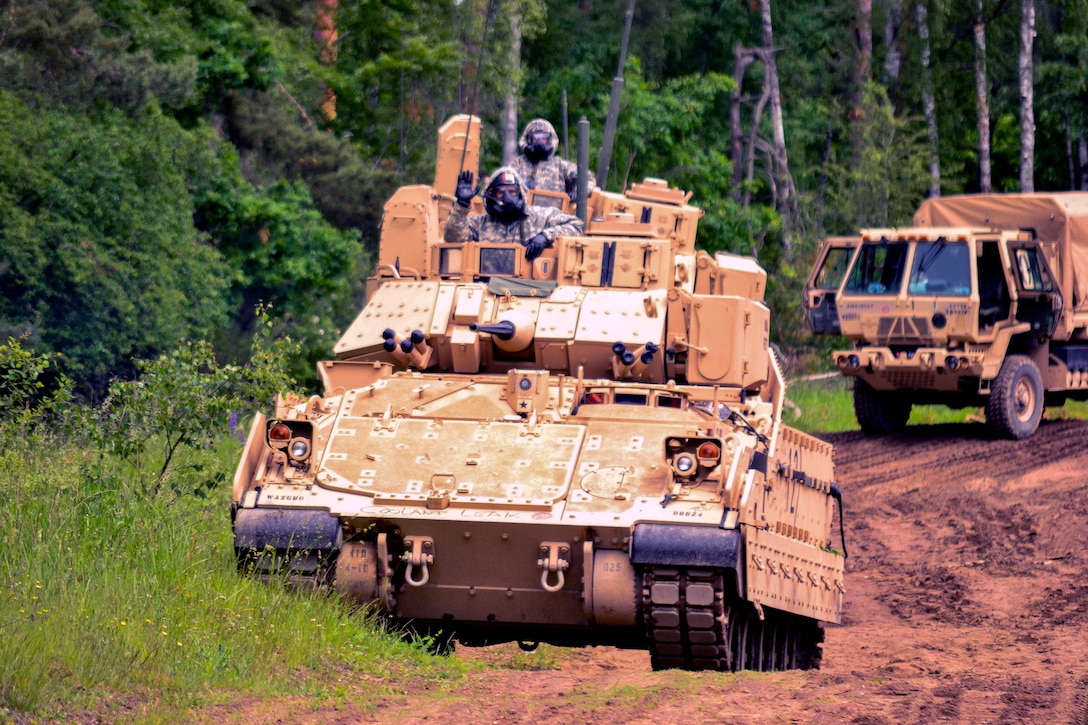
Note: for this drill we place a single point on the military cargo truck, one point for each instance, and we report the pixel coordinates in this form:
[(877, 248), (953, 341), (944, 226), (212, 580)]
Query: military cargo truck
[(983, 302), (586, 448)]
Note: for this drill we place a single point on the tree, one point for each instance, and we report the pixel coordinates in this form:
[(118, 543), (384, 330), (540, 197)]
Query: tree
[(929, 105), (985, 183), (101, 262), (785, 195), (1027, 94)]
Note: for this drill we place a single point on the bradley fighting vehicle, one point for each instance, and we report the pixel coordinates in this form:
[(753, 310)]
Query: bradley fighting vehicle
[(983, 302), (582, 449)]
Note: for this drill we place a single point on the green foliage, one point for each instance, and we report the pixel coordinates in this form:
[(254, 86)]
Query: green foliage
[(284, 255), (347, 191), (396, 78), (20, 377), (883, 182), (26, 401), (101, 262), (179, 401), (104, 591), (64, 52)]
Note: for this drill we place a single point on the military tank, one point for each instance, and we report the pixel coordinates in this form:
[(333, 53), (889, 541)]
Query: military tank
[(584, 449)]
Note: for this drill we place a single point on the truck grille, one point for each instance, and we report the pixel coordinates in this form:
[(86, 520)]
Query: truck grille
[(902, 329), (909, 378)]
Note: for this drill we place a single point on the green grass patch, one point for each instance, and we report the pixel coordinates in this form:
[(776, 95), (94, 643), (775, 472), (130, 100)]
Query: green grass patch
[(826, 405), (104, 590)]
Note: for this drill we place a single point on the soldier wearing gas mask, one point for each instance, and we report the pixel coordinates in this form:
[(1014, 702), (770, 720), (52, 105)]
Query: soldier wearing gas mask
[(509, 217), (538, 165)]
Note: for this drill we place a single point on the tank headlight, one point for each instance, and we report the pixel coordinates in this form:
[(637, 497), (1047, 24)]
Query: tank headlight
[(709, 454), (684, 464), (278, 435), (951, 362), (299, 450), (853, 362)]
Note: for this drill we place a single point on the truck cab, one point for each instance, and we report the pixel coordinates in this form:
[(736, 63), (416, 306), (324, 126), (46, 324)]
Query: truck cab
[(821, 292), (932, 314)]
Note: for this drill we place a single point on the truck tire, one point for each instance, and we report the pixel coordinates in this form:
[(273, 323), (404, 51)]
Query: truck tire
[(1016, 398), (880, 412)]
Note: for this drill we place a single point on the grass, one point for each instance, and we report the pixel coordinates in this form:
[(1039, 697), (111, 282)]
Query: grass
[(109, 595), (105, 591), (826, 405)]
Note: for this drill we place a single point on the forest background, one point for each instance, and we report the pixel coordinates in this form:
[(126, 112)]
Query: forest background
[(165, 167)]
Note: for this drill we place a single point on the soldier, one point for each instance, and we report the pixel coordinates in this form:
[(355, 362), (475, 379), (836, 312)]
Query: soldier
[(538, 165), (508, 217)]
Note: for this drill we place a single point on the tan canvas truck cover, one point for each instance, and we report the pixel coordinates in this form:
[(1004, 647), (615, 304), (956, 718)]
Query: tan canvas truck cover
[(1061, 218)]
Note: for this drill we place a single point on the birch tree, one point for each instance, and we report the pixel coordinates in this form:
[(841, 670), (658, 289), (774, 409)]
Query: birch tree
[(893, 59), (785, 194), (985, 182), (510, 102), (929, 106), (1027, 93)]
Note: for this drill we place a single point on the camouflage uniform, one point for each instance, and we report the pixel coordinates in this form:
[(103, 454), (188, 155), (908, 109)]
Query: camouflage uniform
[(551, 222), (551, 174)]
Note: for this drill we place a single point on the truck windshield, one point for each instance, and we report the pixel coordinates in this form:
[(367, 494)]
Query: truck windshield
[(942, 269), (833, 269), (878, 270)]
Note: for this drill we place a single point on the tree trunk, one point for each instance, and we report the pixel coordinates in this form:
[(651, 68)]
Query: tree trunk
[(510, 103), (326, 39), (786, 197), (893, 60), (1072, 166), (865, 39), (1027, 94), (929, 106), (744, 58), (1082, 155), (985, 179)]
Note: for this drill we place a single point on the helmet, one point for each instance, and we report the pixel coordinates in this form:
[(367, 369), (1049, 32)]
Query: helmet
[(504, 198)]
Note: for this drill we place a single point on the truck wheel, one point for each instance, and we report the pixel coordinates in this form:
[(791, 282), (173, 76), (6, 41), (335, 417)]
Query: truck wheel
[(1016, 398), (880, 412)]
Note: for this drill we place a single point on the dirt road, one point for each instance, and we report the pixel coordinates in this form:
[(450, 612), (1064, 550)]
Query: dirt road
[(967, 601)]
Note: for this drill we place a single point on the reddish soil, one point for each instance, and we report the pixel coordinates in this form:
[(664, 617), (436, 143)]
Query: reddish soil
[(967, 601)]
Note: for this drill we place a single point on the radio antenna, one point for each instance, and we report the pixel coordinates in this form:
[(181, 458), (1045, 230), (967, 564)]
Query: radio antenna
[(614, 104), (476, 83)]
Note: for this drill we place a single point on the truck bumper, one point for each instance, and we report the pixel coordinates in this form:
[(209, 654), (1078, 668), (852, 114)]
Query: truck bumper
[(925, 368)]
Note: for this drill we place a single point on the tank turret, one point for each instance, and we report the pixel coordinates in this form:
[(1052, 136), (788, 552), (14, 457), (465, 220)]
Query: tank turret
[(582, 448)]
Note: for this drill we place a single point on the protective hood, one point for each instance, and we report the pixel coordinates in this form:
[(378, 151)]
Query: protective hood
[(506, 213), (536, 126)]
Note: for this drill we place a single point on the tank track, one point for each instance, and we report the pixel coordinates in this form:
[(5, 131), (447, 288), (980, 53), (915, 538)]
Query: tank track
[(691, 624)]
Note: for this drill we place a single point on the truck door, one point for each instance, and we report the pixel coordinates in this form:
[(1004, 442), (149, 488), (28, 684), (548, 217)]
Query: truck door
[(821, 312), (1039, 301)]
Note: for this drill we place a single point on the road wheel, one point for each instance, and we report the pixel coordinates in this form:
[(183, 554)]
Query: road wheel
[(1016, 398), (880, 412)]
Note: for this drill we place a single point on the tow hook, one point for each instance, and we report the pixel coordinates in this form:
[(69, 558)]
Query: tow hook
[(554, 560), (420, 555)]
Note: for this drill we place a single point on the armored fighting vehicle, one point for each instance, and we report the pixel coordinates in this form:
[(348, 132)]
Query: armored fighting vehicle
[(982, 302), (583, 449)]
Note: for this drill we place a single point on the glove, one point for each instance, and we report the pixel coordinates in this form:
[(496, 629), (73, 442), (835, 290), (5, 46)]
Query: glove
[(529, 183), (535, 246), (466, 189)]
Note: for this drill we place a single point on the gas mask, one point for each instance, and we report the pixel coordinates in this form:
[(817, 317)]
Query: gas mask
[(539, 147), (503, 203)]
